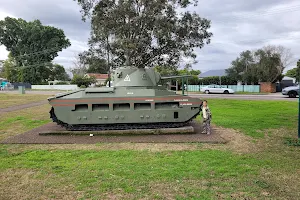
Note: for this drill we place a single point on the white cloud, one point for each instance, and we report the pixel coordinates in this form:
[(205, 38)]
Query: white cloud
[(236, 25)]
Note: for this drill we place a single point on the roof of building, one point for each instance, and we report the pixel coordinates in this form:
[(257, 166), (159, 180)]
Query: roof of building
[(218, 72), (98, 76)]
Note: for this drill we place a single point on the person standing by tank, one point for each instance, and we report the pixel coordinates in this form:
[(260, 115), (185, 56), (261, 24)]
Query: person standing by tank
[(206, 115)]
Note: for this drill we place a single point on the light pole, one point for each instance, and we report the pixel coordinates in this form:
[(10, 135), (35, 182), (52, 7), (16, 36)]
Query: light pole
[(108, 65)]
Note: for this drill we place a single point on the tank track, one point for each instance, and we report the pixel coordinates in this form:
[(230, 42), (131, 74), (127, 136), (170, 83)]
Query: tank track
[(127, 126)]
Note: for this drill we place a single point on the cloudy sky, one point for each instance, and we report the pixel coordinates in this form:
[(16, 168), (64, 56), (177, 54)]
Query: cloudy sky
[(236, 25)]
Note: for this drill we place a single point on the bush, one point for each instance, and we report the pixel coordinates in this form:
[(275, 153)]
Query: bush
[(80, 80), (62, 83)]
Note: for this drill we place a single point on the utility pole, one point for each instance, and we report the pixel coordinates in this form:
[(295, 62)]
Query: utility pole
[(298, 74)]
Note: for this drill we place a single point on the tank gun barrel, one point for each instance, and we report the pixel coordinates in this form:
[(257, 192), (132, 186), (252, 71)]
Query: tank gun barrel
[(172, 77)]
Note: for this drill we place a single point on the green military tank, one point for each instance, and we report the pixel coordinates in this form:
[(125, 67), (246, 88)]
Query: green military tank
[(135, 101)]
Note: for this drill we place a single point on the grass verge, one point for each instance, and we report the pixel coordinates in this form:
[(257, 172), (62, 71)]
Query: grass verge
[(254, 117), (7, 100), (181, 174), (16, 122)]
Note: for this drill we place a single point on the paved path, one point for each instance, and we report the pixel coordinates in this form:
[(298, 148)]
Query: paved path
[(19, 107), (276, 96), (49, 92)]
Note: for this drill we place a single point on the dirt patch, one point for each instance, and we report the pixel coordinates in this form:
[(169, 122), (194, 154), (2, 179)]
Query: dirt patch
[(177, 188), (227, 139), (22, 184), (19, 107), (237, 141), (33, 137)]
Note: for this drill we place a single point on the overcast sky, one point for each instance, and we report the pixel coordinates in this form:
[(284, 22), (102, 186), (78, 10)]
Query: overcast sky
[(236, 25)]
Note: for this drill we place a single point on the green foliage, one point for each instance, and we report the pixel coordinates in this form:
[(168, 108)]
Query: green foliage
[(225, 80), (58, 72), (9, 69), (83, 80), (194, 80), (95, 63), (265, 65), (32, 45), (293, 73), (144, 31), (62, 83), (166, 70), (45, 72), (292, 142)]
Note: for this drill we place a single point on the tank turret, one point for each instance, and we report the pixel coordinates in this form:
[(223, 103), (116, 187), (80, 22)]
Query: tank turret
[(135, 101), (130, 76)]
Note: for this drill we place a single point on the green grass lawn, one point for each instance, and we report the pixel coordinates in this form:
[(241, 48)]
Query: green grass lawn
[(271, 170), (8, 100), (180, 174), (252, 117), (19, 121)]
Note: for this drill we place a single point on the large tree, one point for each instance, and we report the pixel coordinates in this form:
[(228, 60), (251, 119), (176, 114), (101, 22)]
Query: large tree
[(95, 64), (243, 68), (265, 64), (1, 69), (10, 70), (145, 33), (32, 45), (58, 72), (50, 71)]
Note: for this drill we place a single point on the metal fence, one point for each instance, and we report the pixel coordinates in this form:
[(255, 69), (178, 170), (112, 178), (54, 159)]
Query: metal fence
[(236, 88), (26, 85)]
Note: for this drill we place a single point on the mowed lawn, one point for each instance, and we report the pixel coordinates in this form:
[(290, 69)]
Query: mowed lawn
[(252, 117), (8, 100), (270, 170)]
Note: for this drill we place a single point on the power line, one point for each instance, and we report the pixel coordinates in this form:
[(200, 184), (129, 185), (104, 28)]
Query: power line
[(258, 14), (271, 12), (258, 41)]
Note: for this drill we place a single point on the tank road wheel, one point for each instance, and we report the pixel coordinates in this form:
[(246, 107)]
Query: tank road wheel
[(292, 94), (226, 92), (206, 91)]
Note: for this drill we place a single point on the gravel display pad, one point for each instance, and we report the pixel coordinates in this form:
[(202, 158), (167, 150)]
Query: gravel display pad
[(41, 135), (20, 107)]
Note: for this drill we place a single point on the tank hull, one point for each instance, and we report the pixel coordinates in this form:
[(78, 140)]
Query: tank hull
[(123, 108)]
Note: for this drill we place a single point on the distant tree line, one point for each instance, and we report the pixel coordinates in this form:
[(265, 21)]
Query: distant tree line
[(263, 65)]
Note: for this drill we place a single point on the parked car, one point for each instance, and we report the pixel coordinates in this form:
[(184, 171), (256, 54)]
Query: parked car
[(216, 89), (291, 91)]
